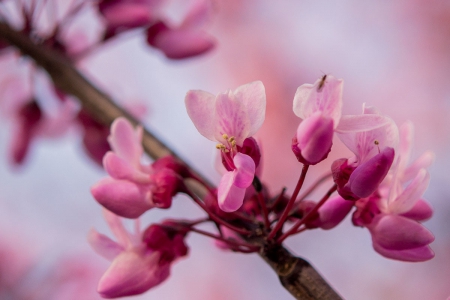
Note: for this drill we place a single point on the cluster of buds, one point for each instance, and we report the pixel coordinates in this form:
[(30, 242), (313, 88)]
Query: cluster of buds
[(51, 113), (385, 192)]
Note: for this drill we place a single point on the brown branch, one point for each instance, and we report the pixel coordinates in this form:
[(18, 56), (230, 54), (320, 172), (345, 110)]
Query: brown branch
[(295, 274)]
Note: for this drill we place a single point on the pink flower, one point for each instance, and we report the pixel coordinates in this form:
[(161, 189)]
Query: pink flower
[(187, 39), (133, 188), (230, 118), (121, 15), (319, 106), (140, 261), (360, 176), (393, 214)]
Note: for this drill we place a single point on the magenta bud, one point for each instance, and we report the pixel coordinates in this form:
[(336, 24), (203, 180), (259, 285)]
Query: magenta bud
[(166, 183), (167, 239), (366, 178), (314, 139)]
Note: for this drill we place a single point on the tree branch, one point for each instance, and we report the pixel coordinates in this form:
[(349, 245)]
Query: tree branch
[(295, 274)]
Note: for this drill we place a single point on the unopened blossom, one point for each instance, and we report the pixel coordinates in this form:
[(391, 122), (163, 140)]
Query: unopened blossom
[(176, 41), (374, 150), (140, 260), (230, 118), (319, 106), (186, 39), (392, 215), (133, 187)]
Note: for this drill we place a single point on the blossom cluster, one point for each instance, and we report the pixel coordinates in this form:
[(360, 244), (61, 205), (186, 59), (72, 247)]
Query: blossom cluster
[(377, 183), (51, 113)]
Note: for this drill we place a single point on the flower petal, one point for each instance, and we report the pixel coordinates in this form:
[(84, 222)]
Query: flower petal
[(200, 107), (412, 193), (231, 118), (324, 96), (394, 232), (125, 141), (414, 255), (314, 137), (180, 43), (245, 170), (253, 97), (367, 177), (118, 168), (421, 211), (132, 273), (230, 197), (333, 212), (103, 245), (122, 197), (358, 123)]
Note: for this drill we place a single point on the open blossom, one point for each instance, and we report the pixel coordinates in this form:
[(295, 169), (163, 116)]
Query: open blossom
[(140, 260), (132, 187), (374, 150), (230, 118), (319, 106), (393, 213)]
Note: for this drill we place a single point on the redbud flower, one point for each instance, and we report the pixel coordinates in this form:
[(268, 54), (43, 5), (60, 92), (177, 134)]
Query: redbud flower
[(188, 38), (133, 188), (319, 106), (360, 176), (140, 261), (230, 118), (393, 214)]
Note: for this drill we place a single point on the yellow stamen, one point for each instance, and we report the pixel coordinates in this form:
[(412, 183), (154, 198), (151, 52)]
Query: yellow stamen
[(225, 136)]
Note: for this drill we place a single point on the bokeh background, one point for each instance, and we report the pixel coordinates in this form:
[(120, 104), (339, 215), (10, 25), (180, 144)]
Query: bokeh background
[(394, 55)]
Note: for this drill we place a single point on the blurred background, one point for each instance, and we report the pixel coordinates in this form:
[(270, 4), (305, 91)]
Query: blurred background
[(394, 55)]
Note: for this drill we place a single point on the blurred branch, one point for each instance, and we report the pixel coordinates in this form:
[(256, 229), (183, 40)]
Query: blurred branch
[(295, 273)]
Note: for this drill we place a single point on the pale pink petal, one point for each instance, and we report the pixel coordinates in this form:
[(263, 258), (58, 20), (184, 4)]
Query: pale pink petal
[(367, 144), (253, 96), (412, 193), (103, 245), (418, 254), (117, 228), (122, 197), (358, 123), (200, 107), (245, 170), (125, 141), (423, 162), (118, 168), (406, 142), (229, 196), (132, 273), (366, 178), (314, 137), (421, 211), (300, 103), (231, 118), (324, 96), (398, 233)]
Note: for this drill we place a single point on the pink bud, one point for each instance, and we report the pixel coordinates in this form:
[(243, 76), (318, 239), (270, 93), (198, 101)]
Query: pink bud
[(366, 178), (314, 138), (399, 233), (165, 184)]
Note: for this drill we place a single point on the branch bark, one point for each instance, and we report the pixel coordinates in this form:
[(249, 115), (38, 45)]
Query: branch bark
[(295, 273)]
